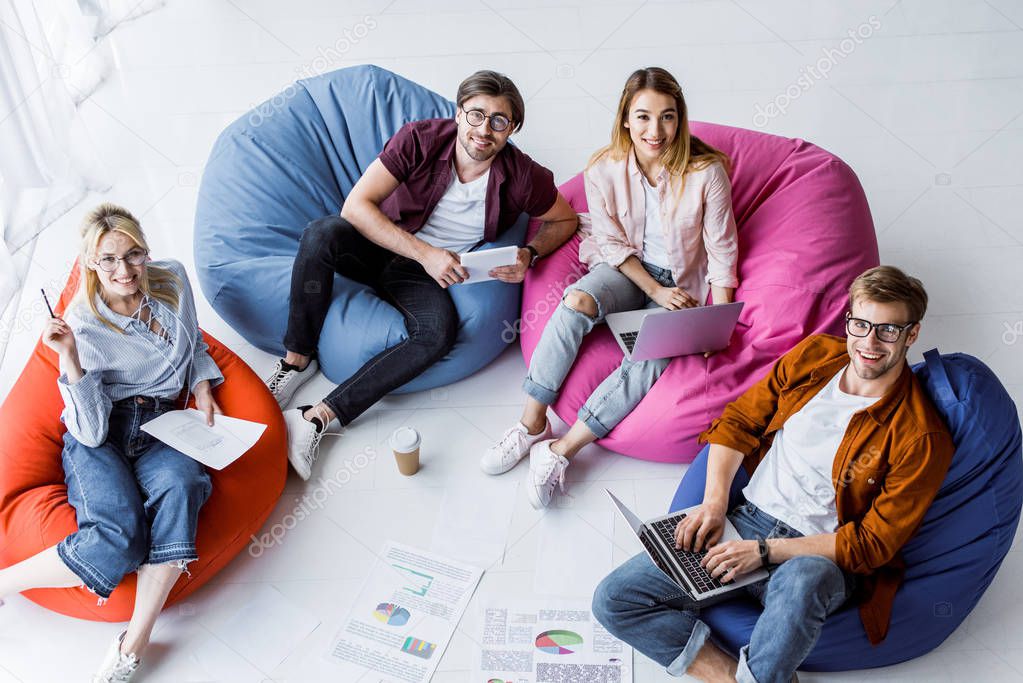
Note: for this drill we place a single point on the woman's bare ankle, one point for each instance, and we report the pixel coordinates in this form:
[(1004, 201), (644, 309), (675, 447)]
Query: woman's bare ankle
[(134, 646)]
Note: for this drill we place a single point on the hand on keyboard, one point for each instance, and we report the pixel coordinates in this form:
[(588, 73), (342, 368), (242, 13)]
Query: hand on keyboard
[(700, 529), (728, 560)]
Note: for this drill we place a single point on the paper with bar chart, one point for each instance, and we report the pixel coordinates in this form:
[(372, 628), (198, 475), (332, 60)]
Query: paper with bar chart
[(533, 641), (404, 616)]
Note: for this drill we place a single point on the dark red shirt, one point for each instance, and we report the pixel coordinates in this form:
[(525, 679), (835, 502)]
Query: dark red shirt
[(420, 155)]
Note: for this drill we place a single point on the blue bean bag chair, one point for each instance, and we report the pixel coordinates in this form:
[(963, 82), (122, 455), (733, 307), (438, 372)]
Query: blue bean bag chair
[(954, 555), (292, 160)]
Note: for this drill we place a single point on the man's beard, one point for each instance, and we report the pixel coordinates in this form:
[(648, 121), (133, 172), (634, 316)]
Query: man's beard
[(478, 154)]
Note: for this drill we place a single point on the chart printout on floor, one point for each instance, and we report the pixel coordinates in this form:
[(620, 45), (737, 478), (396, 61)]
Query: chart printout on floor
[(552, 641), (404, 616)]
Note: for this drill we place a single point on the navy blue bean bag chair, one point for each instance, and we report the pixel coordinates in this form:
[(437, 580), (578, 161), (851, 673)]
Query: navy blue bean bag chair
[(292, 160), (952, 558)]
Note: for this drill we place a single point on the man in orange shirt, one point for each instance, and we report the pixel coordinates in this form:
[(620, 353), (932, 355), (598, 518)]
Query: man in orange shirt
[(845, 453)]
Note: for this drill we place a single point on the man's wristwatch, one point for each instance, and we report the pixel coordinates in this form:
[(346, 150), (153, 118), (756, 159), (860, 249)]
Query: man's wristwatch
[(764, 550), (534, 254)]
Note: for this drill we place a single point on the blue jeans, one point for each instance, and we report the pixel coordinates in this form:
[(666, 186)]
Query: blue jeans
[(332, 246), (639, 604), (137, 499), (623, 389)]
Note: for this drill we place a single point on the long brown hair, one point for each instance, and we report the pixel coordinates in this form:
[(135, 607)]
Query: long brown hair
[(686, 152), (159, 283)]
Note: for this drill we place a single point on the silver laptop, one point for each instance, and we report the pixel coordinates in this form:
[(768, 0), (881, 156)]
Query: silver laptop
[(659, 333), (681, 566)]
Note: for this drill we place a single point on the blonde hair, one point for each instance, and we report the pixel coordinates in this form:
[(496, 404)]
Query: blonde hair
[(159, 283), (686, 152), (887, 285)]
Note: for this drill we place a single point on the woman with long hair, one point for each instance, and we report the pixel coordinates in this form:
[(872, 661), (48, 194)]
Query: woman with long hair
[(129, 350), (663, 235)]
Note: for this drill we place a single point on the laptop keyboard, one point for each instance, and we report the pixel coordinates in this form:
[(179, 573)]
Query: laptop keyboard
[(690, 561), (629, 339)]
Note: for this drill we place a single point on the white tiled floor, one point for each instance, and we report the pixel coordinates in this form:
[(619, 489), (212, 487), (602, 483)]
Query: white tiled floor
[(928, 110)]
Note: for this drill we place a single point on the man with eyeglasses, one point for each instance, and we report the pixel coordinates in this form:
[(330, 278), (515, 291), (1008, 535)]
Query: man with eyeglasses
[(846, 453), (439, 188)]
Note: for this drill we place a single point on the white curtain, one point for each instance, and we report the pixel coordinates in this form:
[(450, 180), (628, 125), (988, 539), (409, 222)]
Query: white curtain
[(112, 13), (51, 60)]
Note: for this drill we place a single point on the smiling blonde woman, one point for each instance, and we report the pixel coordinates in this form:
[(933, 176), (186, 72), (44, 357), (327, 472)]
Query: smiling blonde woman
[(129, 350)]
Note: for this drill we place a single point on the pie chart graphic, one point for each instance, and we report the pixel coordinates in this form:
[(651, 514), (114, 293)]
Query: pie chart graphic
[(558, 642), (391, 614)]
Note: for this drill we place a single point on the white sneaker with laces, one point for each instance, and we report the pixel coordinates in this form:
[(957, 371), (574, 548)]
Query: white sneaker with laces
[(546, 470), (512, 447), (283, 383), (117, 667), (303, 441)]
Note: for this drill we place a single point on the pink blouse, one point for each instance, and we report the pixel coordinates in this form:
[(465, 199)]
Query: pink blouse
[(697, 218)]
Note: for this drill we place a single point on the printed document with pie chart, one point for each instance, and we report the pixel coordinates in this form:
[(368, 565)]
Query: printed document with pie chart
[(534, 641), (404, 616)]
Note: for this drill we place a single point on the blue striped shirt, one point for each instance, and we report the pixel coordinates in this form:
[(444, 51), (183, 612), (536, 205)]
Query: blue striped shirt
[(138, 362)]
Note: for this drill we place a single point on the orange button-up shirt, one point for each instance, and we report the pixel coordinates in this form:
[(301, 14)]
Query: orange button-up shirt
[(888, 468)]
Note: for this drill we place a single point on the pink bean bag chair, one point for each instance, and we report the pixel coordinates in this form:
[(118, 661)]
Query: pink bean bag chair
[(805, 233)]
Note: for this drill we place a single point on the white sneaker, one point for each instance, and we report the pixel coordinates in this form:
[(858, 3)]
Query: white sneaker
[(303, 441), (512, 447), (284, 383), (117, 667), (546, 470)]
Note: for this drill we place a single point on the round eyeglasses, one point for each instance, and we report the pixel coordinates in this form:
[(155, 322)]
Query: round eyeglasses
[(476, 117), (886, 332), (135, 257)]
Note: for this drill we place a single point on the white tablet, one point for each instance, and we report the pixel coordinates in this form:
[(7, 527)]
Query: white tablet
[(480, 263)]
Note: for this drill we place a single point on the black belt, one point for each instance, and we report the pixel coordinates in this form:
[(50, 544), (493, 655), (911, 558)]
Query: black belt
[(154, 402)]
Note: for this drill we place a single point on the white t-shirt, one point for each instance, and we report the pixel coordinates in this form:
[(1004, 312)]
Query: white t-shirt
[(457, 221), (655, 251), (793, 483)]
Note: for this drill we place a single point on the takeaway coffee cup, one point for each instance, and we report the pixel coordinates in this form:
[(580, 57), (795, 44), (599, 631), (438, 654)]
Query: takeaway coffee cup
[(405, 444)]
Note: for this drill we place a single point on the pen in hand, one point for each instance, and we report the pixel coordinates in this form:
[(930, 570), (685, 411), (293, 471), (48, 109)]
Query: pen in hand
[(47, 302)]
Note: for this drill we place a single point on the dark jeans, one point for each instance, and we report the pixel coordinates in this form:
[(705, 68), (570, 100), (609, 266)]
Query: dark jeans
[(332, 245)]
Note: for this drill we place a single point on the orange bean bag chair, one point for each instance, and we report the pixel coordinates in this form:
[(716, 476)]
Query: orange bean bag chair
[(34, 510)]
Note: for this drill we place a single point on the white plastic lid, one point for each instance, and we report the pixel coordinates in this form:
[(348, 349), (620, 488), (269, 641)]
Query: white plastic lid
[(405, 439)]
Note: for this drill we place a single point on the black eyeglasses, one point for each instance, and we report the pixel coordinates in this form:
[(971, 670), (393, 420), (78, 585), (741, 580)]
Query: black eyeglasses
[(476, 117), (886, 332), (135, 257)]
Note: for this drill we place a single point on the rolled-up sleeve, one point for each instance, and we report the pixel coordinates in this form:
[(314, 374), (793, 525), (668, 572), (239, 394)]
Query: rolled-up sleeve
[(610, 238), (403, 152), (203, 366), (720, 236), (910, 485), (540, 192), (745, 420)]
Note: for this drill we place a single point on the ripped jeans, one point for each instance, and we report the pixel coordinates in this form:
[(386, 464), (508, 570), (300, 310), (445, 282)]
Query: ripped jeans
[(553, 357), (137, 500)]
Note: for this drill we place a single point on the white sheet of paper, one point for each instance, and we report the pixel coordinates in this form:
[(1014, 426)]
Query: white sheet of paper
[(217, 446), (549, 640), (403, 618), (268, 628), (480, 263), (473, 522)]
